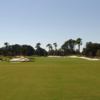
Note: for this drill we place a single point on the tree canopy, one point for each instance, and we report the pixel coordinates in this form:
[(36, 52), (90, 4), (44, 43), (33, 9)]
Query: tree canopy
[(69, 47)]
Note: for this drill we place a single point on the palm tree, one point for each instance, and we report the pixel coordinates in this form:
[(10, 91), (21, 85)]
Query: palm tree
[(6, 44), (6, 48), (49, 46), (79, 43), (38, 45), (55, 45)]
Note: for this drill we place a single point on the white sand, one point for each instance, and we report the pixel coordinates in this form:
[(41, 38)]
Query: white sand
[(81, 57), (86, 58), (19, 59), (54, 56)]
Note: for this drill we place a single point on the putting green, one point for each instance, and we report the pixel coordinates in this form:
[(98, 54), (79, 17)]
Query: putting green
[(50, 79)]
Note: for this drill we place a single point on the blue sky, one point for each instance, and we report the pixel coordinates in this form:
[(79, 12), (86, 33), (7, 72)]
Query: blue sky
[(48, 21)]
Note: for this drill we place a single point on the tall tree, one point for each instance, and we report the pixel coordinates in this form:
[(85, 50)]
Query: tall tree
[(65, 46), (55, 45), (6, 44), (6, 51), (71, 44), (91, 49), (38, 45), (79, 43), (40, 51), (69, 47), (49, 46)]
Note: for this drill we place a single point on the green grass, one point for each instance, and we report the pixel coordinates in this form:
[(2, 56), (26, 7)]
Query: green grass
[(50, 79)]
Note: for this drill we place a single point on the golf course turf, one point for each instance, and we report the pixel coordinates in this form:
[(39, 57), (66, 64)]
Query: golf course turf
[(50, 79)]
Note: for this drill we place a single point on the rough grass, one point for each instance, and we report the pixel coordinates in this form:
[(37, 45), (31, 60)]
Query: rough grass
[(50, 79)]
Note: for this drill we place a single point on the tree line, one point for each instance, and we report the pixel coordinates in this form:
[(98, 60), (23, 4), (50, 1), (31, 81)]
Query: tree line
[(69, 47)]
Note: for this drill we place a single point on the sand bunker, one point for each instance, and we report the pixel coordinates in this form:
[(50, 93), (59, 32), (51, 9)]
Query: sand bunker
[(54, 56), (20, 59), (86, 58), (81, 57)]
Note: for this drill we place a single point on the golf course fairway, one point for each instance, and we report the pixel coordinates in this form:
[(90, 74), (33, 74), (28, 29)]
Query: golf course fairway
[(50, 79)]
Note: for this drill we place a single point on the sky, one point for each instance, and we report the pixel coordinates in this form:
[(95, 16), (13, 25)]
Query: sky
[(49, 21)]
